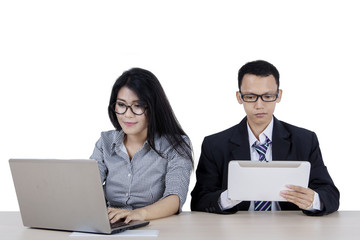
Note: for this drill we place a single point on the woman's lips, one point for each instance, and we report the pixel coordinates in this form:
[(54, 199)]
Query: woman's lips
[(129, 124)]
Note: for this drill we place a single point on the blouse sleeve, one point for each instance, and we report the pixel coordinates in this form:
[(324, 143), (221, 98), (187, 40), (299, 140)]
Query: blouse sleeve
[(178, 175), (99, 157)]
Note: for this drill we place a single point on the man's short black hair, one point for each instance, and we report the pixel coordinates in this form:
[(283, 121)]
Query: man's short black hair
[(259, 68)]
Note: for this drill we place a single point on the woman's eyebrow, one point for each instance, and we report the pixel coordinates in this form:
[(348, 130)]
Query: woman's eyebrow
[(123, 100)]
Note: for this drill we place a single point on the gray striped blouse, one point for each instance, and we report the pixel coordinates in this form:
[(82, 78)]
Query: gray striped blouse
[(145, 179)]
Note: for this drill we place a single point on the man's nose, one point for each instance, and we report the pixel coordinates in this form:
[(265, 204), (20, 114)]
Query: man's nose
[(259, 103)]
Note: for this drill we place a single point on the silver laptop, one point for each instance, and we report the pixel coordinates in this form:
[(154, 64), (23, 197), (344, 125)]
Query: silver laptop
[(254, 181), (63, 195)]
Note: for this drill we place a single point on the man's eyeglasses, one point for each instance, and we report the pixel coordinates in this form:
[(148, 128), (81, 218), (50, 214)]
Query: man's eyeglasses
[(267, 97), (121, 108)]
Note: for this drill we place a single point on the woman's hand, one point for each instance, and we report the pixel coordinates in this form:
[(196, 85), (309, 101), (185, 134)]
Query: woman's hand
[(162, 208), (115, 214)]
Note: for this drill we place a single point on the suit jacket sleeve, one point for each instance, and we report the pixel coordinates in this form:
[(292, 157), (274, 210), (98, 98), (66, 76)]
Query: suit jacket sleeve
[(211, 177), (207, 190), (321, 182)]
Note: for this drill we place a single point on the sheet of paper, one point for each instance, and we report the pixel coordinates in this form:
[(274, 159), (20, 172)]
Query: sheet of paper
[(127, 233)]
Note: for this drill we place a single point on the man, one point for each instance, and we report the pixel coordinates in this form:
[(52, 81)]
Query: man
[(259, 93)]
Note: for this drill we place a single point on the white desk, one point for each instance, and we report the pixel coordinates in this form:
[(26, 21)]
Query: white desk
[(344, 225)]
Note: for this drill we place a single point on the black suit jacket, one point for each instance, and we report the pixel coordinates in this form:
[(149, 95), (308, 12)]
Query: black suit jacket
[(288, 143)]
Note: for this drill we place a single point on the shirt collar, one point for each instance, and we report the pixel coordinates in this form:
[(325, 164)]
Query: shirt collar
[(118, 141), (266, 133)]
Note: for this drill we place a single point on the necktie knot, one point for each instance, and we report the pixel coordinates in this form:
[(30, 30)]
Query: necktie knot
[(262, 148)]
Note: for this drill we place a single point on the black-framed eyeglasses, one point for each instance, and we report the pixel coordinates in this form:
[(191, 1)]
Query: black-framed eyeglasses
[(267, 97), (121, 108)]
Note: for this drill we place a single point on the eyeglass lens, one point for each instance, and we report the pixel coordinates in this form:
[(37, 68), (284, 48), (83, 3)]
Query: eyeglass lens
[(121, 108), (255, 97)]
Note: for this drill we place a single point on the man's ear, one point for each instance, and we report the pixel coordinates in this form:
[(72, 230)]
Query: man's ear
[(238, 97), (279, 96)]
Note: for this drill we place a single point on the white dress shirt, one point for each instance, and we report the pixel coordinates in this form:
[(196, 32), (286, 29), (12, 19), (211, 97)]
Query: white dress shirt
[(226, 203)]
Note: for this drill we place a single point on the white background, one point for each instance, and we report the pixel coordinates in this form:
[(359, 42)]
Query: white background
[(59, 60)]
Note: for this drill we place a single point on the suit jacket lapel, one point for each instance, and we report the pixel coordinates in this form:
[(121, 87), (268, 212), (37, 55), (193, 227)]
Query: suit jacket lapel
[(281, 144), (240, 139)]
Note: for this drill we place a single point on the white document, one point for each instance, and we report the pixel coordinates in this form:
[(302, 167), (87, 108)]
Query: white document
[(252, 181), (127, 233)]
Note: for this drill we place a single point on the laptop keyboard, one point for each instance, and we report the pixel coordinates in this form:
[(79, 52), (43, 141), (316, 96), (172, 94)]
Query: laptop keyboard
[(118, 224)]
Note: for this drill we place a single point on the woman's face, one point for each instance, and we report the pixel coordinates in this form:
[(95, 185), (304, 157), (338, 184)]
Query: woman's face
[(132, 124)]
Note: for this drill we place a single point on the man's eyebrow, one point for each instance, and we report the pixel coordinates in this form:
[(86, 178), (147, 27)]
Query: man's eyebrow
[(268, 92)]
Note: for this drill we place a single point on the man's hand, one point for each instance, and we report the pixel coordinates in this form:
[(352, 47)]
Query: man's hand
[(300, 196)]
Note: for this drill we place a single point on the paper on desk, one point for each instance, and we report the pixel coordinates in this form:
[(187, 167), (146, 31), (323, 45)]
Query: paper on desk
[(127, 233)]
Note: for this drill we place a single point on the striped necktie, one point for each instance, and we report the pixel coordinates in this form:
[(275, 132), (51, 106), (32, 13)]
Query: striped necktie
[(261, 149)]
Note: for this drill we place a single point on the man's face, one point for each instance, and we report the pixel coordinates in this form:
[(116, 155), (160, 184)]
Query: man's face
[(259, 113)]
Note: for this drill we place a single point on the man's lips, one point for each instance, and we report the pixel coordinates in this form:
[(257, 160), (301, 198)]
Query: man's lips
[(260, 114)]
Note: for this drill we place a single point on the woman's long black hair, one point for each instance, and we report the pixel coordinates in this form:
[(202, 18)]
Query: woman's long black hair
[(160, 117)]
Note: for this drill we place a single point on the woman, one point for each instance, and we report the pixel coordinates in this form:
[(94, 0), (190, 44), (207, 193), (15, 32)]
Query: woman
[(145, 164)]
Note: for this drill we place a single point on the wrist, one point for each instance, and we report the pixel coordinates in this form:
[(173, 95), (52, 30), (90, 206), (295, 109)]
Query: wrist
[(143, 212)]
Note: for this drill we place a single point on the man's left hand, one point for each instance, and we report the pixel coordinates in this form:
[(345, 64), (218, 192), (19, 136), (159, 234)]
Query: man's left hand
[(300, 196)]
